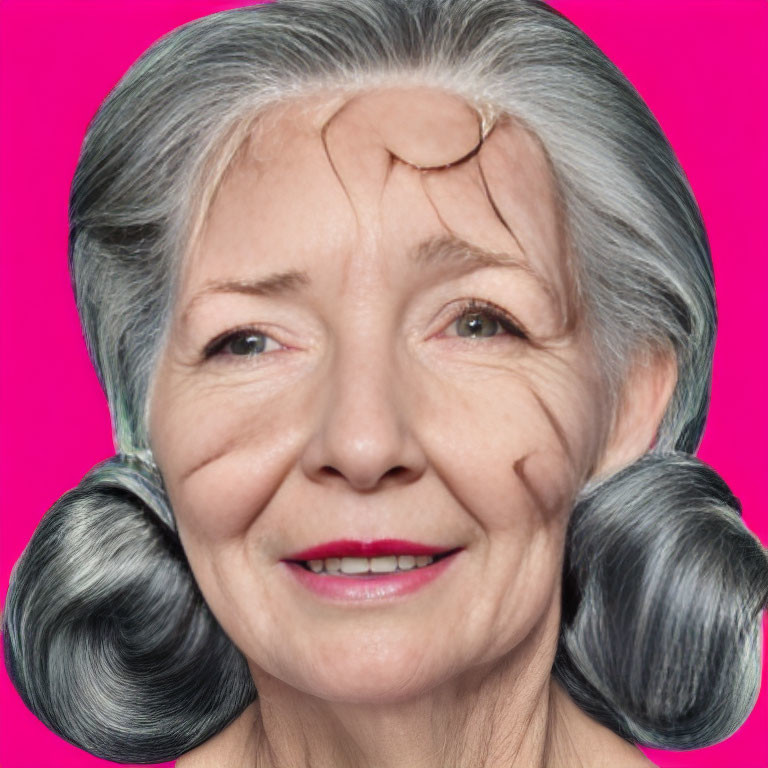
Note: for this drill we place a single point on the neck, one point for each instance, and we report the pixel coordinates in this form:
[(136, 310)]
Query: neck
[(507, 713)]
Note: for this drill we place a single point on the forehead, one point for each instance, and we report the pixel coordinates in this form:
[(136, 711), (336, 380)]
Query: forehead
[(374, 175)]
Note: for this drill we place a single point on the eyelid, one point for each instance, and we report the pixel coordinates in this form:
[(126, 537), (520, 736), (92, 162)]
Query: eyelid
[(481, 306), (468, 306), (217, 344)]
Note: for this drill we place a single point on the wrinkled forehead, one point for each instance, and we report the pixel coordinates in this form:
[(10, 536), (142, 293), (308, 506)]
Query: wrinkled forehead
[(397, 165)]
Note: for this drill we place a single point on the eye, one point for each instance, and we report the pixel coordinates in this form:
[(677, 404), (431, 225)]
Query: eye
[(476, 318), (247, 342)]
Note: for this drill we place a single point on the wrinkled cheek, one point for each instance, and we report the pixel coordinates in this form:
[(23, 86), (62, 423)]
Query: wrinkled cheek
[(548, 482), (570, 404), (220, 501), (225, 459)]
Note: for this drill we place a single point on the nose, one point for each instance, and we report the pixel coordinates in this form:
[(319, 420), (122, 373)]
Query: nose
[(364, 436)]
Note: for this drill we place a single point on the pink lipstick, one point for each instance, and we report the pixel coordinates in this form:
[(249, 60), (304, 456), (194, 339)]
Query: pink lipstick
[(355, 548), (355, 587)]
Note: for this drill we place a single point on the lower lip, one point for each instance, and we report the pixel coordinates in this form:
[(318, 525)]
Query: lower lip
[(371, 587)]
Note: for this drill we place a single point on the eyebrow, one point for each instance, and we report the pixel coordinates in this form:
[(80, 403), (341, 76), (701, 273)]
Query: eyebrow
[(448, 252), (454, 254), (276, 284)]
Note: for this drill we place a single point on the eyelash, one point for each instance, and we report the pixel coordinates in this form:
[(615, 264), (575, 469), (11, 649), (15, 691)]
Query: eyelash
[(501, 316), (217, 345), (468, 307)]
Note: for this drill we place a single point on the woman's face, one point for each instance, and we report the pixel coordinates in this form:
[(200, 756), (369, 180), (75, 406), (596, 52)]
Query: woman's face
[(326, 377)]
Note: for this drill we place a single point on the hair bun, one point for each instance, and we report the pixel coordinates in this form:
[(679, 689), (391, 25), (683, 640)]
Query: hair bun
[(107, 638), (662, 599)]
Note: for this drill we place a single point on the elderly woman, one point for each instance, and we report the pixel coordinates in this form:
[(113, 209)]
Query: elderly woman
[(405, 315)]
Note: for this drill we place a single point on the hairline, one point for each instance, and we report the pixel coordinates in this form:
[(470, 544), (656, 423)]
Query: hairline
[(238, 132)]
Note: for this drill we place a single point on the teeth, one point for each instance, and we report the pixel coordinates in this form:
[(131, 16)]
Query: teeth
[(355, 565), (383, 564)]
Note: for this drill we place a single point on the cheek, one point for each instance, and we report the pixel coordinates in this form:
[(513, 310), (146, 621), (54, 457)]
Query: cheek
[(512, 446), (224, 451), (501, 441)]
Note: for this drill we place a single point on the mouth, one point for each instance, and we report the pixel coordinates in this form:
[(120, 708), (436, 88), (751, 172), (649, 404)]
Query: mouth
[(371, 581), (370, 567)]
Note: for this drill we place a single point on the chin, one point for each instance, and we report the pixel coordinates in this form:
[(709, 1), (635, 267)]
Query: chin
[(380, 674)]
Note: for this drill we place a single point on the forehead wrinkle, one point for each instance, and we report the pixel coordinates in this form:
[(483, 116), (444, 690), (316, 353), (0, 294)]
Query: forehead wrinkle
[(495, 209), (447, 196), (366, 135), (569, 302), (486, 121), (475, 252), (460, 252), (450, 164), (336, 173), (424, 128), (325, 140)]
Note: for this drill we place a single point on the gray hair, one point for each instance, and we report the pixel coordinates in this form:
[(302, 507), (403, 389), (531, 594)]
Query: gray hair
[(107, 637)]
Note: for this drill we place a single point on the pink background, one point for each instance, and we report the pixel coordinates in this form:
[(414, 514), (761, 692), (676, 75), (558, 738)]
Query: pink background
[(702, 66)]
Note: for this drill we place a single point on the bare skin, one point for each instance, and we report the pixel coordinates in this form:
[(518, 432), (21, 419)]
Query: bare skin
[(365, 398)]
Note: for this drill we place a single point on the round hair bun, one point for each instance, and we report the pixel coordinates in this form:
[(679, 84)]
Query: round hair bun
[(107, 638), (662, 598)]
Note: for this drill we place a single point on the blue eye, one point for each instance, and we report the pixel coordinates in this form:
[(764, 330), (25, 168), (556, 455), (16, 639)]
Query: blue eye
[(478, 319), (248, 342), (474, 319)]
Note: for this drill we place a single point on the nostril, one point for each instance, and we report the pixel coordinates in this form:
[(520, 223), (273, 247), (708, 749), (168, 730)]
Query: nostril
[(394, 473)]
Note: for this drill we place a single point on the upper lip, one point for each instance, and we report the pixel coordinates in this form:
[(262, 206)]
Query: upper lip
[(355, 548)]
